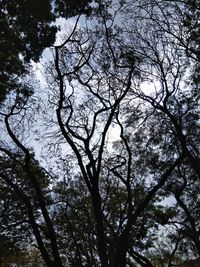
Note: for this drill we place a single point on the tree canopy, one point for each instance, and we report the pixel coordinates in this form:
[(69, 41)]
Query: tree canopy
[(99, 161), (26, 30)]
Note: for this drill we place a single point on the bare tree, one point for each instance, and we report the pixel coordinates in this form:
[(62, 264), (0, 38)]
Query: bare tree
[(103, 78)]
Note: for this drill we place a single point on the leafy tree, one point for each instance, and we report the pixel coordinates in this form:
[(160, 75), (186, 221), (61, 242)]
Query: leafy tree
[(7, 248), (26, 30)]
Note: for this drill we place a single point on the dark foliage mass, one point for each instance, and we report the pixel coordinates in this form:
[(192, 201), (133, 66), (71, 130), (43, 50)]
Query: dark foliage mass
[(100, 161), (26, 30)]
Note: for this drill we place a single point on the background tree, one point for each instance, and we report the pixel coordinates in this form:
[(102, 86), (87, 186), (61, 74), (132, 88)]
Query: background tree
[(26, 30)]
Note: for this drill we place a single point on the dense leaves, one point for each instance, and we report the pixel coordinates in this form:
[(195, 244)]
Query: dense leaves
[(26, 30)]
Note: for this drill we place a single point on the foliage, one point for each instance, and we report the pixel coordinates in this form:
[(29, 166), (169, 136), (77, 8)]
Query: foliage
[(26, 30), (118, 183)]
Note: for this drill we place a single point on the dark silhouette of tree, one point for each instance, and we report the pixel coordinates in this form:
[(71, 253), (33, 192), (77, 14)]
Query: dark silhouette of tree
[(103, 99), (26, 30), (124, 94)]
